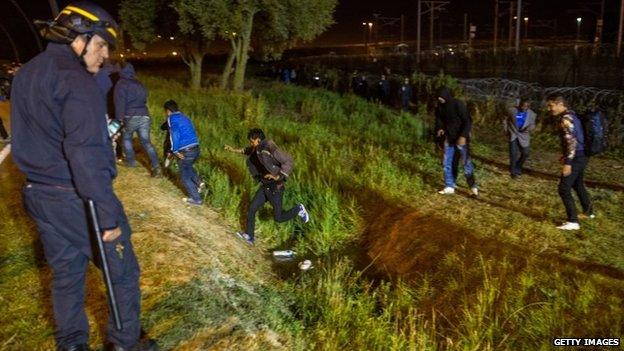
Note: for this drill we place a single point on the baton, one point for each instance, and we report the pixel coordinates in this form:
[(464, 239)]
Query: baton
[(107, 278)]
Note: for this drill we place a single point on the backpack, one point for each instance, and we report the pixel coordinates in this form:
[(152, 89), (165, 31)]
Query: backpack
[(595, 130)]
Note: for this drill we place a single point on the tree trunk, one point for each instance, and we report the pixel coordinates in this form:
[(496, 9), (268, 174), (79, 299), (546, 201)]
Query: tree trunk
[(194, 58), (241, 62), (227, 72)]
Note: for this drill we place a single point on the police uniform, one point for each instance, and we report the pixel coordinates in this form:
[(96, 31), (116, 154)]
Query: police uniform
[(61, 143)]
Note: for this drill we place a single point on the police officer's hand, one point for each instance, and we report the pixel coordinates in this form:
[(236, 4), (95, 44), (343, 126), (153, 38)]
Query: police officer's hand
[(111, 234), (567, 170), (179, 155), (440, 133)]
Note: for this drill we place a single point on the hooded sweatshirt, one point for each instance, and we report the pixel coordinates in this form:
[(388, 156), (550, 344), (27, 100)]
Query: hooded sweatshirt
[(130, 95), (452, 116)]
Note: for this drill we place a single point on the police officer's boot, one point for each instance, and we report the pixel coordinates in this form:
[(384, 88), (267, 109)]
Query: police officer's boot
[(144, 345)]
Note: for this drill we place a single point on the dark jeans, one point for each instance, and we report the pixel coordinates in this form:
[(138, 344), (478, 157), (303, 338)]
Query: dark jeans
[(140, 125), (61, 218), (575, 181), (190, 178), (450, 161), (3, 132), (273, 193), (517, 156)]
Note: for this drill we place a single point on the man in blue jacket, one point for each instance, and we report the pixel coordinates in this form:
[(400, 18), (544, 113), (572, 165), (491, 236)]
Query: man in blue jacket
[(131, 107), (185, 146), (62, 145), (518, 125)]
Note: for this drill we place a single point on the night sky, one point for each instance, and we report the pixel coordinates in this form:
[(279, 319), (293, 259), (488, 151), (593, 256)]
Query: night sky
[(350, 14)]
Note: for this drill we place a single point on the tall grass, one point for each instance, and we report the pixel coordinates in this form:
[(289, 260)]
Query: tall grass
[(353, 160)]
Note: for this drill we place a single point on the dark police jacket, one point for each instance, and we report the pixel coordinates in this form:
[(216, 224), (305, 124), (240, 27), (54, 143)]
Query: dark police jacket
[(130, 95), (60, 135)]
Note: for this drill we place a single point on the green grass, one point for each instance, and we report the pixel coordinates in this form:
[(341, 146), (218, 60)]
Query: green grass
[(396, 266), (474, 275)]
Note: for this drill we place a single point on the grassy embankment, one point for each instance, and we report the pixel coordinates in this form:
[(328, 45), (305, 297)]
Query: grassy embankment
[(481, 274), (477, 274)]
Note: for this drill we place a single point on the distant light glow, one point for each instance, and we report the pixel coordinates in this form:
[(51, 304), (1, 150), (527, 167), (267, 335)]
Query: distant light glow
[(121, 55), (175, 53), (171, 38), (370, 24), (526, 19), (579, 19), (159, 36), (144, 53)]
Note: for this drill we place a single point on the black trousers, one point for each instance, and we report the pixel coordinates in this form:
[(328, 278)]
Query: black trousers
[(61, 218), (274, 194), (517, 156), (575, 181)]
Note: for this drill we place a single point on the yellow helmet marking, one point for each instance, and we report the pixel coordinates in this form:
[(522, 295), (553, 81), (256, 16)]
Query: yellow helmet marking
[(87, 14)]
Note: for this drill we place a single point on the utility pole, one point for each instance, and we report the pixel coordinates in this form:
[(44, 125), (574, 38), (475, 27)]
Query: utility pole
[(619, 43), (495, 25), (465, 25), (518, 19), (433, 5), (432, 13), (511, 10), (418, 34), (402, 28)]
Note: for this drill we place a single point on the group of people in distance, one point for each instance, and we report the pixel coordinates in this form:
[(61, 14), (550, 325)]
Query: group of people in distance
[(453, 128)]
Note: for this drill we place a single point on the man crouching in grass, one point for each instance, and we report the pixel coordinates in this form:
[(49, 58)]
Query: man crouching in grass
[(270, 166)]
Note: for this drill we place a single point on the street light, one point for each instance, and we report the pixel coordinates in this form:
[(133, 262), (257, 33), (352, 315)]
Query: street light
[(370, 31), (578, 28), (526, 27)]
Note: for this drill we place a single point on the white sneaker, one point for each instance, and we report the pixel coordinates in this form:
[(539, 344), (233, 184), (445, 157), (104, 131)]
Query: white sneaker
[(475, 191), (447, 191), (569, 226), (303, 213)]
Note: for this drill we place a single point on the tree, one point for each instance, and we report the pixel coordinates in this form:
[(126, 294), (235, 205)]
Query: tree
[(273, 26), (192, 23)]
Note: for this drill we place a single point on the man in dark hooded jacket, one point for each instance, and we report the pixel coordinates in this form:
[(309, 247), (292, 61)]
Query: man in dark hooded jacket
[(130, 107), (453, 122), (270, 167)]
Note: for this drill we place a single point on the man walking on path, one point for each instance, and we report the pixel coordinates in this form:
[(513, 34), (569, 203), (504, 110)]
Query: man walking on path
[(518, 124), (185, 146), (271, 167), (453, 122), (574, 161), (131, 108)]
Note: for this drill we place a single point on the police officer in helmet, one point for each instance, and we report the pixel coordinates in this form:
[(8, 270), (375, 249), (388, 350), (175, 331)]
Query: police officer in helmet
[(61, 143)]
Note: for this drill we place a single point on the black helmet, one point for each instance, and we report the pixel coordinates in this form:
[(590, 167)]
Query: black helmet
[(80, 17)]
